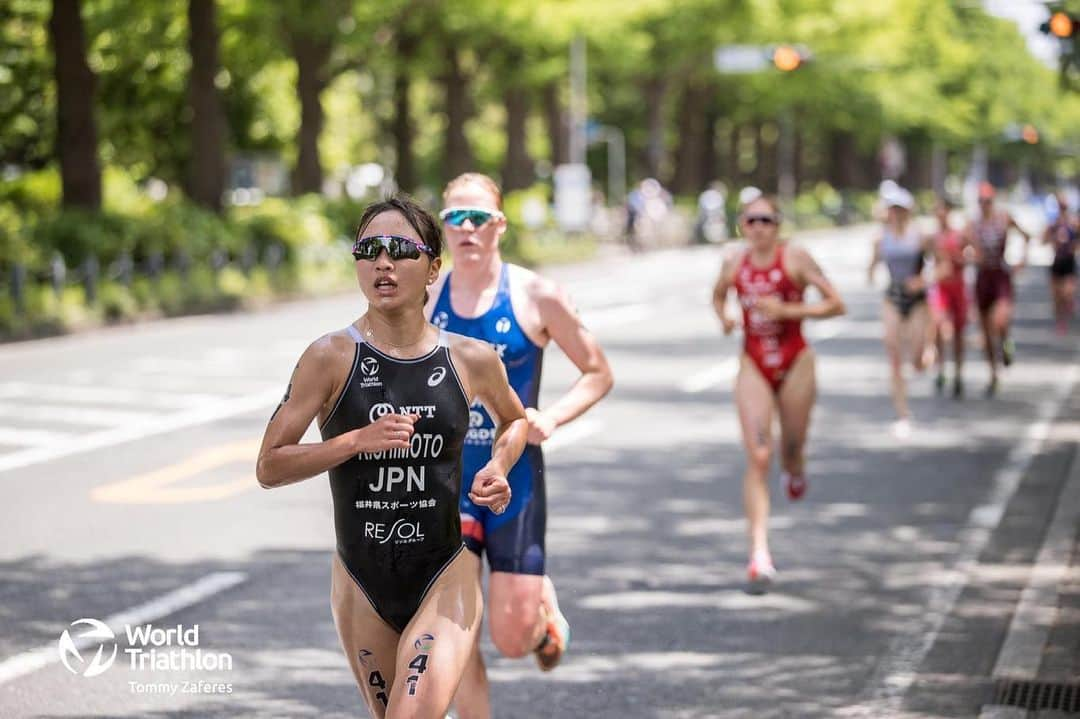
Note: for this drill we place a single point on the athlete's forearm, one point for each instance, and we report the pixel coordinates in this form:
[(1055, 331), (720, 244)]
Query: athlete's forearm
[(817, 311), (509, 444), (292, 463), (587, 391)]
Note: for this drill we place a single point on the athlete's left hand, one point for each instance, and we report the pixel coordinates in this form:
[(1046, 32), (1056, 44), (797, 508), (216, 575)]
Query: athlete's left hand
[(541, 426), (490, 489), (772, 308)]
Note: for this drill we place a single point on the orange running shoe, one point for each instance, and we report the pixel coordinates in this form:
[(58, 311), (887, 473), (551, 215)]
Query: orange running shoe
[(556, 634)]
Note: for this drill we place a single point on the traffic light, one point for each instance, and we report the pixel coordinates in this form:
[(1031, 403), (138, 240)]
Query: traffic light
[(788, 58), (1061, 25)]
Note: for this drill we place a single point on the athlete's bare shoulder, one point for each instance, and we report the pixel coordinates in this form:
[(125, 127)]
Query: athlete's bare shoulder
[(732, 258), (534, 285), (473, 358), (333, 345)]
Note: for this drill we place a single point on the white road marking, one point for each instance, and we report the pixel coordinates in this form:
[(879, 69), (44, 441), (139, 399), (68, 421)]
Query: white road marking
[(160, 425), (898, 669), (100, 394), (182, 598), (615, 316), (572, 433), (74, 415), (1021, 653), (713, 376), (32, 437)]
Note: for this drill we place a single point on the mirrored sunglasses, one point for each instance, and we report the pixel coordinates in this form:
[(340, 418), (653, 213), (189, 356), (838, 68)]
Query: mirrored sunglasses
[(456, 216), (396, 246)]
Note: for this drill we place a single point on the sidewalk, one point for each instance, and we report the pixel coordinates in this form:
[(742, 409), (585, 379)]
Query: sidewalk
[(1037, 673)]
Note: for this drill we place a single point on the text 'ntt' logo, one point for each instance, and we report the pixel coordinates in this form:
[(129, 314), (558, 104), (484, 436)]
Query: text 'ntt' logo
[(98, 635), (380, 410)]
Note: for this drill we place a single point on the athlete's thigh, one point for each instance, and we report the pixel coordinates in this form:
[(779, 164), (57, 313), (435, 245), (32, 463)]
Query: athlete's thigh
[(370, 644), (915, 328), (796, 399), (891, 321), (435, 646), (754, 400), (1002, 311)]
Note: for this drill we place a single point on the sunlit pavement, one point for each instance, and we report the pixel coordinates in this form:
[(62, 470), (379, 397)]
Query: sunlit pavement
[(128, 454)]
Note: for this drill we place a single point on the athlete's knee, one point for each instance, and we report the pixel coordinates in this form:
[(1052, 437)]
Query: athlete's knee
[(514, 621), (760, 455), (515, 637)]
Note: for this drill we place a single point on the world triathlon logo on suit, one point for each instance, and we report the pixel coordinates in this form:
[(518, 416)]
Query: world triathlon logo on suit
[(369, 371)]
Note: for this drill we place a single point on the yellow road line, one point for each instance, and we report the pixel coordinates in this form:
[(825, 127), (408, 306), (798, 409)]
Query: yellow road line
[(158, 487)]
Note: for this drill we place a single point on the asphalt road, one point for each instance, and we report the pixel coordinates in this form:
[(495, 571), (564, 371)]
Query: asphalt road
[(126, 464)]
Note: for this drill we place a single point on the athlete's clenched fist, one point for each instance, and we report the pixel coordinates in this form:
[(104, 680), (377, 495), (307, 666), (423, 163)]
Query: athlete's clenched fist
[(391, 431)]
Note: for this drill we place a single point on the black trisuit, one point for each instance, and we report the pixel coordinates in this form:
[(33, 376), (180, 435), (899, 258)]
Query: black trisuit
[(396, 512)]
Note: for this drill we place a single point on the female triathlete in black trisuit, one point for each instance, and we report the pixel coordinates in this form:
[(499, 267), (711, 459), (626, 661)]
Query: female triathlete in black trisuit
[(392, 395)]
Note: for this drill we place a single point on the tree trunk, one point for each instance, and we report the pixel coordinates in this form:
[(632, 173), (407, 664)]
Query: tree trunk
[(76, 130), (405, 170), (709, 164), (691, 128), (458, 103), (312, 53), (517, 171), (206, 181), (843, 162), (557, 126), (734, 171), (655, 153)]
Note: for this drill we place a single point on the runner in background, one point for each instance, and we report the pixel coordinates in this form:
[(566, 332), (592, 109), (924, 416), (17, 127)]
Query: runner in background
[(776, 369)]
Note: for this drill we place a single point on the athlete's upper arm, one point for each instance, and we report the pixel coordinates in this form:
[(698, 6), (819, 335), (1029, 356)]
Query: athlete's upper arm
[(486, 379), (310, 388), (807, 272), (727, 272), (564, 326)]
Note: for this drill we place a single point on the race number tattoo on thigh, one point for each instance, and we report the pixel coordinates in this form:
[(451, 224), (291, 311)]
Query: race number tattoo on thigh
[(419, 663), (761, 432), (374, 677)]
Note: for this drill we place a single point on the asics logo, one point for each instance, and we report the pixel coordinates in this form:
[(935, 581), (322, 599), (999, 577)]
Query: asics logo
[(436, 377)]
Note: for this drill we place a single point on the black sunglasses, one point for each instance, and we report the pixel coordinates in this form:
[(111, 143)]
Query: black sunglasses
[(396, 246), (762, 219)]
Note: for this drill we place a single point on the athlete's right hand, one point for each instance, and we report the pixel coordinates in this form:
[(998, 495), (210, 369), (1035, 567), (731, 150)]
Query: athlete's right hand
[(391, 431), (729, 324)]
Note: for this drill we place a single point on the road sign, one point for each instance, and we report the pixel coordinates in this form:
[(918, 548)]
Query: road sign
[(573, 197), (736, 59)]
